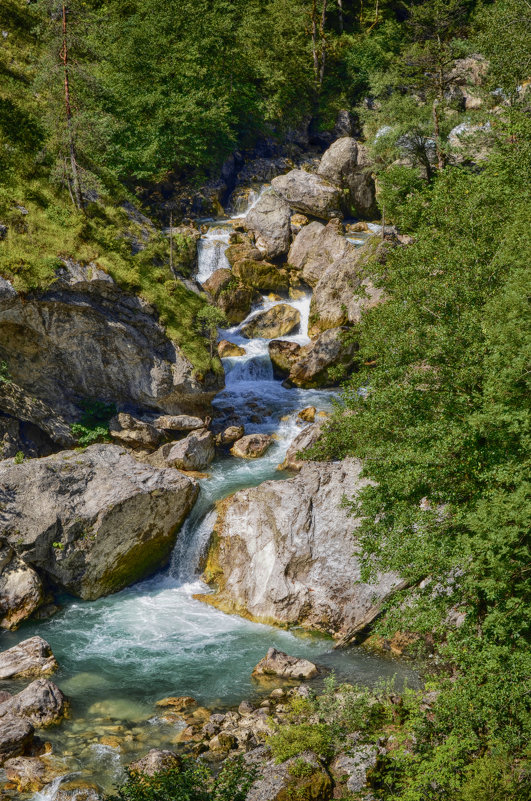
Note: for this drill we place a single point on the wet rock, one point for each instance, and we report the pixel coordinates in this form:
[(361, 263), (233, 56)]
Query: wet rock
[(346, 164), (236, 302), (308, 437), (41, 702), (285, 552), (307, 415), (179, 703), (262, 276), (278, 321), (84, 336), (78, 790), (178, 422), (195, 452), (21, 590), (283, 356), (269, 220), (309, 193), (251, 446), (128, 430), (228, 349), (218, 281), (351, 769), (316, 247), (156, 761), (31, 774), (332, 349), (230, 435), (93, 521), (16, 736), (277, 663), (31, 657)]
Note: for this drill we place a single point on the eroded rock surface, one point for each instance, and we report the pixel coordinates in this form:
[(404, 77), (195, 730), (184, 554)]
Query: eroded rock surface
[(156, 761), (41, 702), (346, 164), (21, 590), (284, 552), (31, 657), (16, 736), (302, 442), (332, 349), (284, 666), (94, 521), (195, 452), (318, 246), (269, 220), (251, 446), (84, 337), (278, 321), (309, 193)]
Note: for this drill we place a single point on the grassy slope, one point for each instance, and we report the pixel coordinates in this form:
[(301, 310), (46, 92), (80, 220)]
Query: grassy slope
[(52, 229)]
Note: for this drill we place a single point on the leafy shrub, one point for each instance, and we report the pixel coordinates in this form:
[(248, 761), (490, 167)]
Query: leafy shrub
[(94, 424), (192, 782), (19, 457), (291, 740), (4, 373)]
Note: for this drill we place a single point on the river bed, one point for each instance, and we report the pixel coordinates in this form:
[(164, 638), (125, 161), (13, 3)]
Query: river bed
[(121, 654)]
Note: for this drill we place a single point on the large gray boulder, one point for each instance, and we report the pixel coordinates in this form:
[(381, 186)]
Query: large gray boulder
[(269, 221), (351, 769), (317, 362), (84, 337), (31, 657), (309, 193), (346, 290), (21, 590), (346, 164), (93, 521), (41, 702), (277, 663), (284, 552), (318, 246), (195, 452)]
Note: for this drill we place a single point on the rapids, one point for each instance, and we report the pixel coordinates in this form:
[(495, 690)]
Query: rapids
[(121, 654)]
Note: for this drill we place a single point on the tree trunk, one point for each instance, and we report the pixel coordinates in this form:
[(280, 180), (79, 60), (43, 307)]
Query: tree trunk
[(441, 161), (171, 244), (75, 183), (341, 21)]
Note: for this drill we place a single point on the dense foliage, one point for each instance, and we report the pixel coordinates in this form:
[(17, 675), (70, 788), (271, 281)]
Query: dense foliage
[(439, 410), (190, 782)]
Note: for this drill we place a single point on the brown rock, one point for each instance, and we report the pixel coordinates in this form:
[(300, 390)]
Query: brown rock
[(227, 349), (31, 657), (333, 348), (230, 435), (252, 446), (41, 702), (283, 356), (278, 321), (307, 415), (218, 281), (178, 703)]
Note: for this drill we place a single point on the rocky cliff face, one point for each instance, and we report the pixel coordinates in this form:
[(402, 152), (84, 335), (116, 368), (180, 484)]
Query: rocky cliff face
[(284, 552), (84, 337)]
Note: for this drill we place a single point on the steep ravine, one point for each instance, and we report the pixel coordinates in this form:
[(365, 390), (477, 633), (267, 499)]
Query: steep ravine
[(120, 654)]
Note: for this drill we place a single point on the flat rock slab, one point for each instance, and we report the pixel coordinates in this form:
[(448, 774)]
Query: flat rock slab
[(277, 663), (31, 657)]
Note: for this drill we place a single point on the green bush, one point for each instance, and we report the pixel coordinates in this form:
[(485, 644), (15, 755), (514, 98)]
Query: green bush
[(94, 424), (291, 740), (191, 782)]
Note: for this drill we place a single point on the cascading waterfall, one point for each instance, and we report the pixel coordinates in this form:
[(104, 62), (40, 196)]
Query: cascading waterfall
[(120, 654)]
